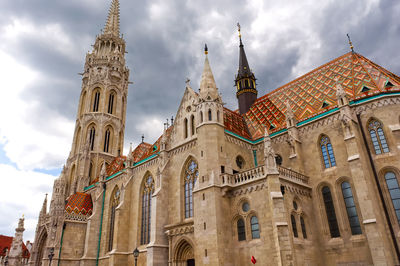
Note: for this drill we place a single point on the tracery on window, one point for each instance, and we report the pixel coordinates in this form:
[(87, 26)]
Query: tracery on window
[(148, 189), (107, 137), (378, 138), (115, 199), (327, 152), (111, 103), (92, 135), (191, 175), (96, 101)]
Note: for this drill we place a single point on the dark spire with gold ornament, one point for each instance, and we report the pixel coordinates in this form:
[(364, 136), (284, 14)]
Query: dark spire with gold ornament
[(245, 81)]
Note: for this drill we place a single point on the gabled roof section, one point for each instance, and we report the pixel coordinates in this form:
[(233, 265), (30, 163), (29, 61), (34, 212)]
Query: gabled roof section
[(79, 204), (315, 93), (235, 123), (139, 151)]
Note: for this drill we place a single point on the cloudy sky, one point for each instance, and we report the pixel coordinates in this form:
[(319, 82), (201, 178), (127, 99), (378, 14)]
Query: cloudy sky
[(43, 45)]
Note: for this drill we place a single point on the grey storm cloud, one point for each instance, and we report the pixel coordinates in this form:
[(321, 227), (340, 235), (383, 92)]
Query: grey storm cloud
[(163, 51)]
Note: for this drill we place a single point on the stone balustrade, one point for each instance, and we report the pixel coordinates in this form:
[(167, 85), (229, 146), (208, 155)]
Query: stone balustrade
[(258, 173)]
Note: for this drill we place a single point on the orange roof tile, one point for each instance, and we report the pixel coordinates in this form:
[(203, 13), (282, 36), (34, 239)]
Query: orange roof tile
[(79, 203)]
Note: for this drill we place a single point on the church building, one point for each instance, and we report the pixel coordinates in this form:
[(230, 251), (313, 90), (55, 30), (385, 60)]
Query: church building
[(307, 174)]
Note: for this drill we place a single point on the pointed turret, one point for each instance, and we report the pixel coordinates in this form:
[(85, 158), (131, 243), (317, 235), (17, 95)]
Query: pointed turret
[(245, 81), (208, 88), (43, 211), (112, 24)]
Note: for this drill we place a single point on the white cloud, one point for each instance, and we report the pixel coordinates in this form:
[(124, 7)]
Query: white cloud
[(22, 192), (26, 144)]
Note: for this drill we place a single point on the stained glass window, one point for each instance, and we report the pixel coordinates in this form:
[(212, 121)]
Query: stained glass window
[(378, 137), (327, 152), (148, 190), (191, 175)]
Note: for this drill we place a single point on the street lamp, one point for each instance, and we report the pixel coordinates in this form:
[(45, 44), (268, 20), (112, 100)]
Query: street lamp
[(136, 255), (51, 255)]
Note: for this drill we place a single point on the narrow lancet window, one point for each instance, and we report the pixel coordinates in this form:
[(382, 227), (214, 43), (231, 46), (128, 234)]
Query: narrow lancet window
[(96, 101), (92, 135), (191, 175), (148, 189), (351, 209), (394, 191), (255, 229), (330, 212), (241, 230), (114, 203), (111, 103), (294, 226), (106, 140)]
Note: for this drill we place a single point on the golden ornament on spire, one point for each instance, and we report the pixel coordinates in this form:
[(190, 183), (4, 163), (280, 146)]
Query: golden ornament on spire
[(240, 35), (205, 49), (350, 43)]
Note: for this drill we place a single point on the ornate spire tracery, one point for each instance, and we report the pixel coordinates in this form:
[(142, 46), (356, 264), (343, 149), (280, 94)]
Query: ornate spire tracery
[(112, 23)]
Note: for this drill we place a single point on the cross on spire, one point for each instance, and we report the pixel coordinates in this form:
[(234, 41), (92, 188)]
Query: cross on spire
[(112, 23)]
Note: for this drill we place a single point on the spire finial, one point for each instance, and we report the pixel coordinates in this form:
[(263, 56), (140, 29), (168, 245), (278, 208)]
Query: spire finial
[(142, 138), (350, 43), (112, 23), (240, 34), (205, 49)]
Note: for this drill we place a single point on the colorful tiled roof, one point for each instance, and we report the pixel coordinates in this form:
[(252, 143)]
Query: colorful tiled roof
[(5, 243), (116, 165), (315, 93), (235, 123), (80, 204), (140, 151)]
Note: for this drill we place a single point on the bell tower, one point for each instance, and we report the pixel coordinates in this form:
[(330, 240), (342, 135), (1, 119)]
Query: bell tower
[(100, 121), (245, 81)]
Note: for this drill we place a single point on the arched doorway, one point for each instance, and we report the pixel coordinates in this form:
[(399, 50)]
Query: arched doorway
[(184, 255), (41, 247)]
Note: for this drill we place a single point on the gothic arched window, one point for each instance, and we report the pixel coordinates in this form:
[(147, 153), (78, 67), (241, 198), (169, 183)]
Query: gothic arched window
[(191, 174), (241, 230), (96, 101), (255, 229), (351, 209), (111, 103), (294, 226), (327, 152), (107, 137), (378, 137), (92, 135), (201, 117), (394, 191), (303, 227), (115, 197), (192, 125), (209, 115), (330, 212), (148, 189), (185, 128)]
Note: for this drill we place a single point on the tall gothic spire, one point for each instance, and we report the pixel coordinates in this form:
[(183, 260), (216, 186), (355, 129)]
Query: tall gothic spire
[(112, 23), (246, 91), (207, 84)]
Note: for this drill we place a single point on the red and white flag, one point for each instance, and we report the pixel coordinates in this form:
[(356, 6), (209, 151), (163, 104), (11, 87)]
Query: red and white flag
[(253, 260)]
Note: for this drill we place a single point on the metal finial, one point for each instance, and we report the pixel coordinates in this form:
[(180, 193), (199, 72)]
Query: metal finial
[(350, 43), (205, 49), (172, 120), (240, 35), (142, 138)]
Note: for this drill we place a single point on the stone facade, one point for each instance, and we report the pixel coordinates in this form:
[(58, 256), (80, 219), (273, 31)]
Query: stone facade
[(312, 193)]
